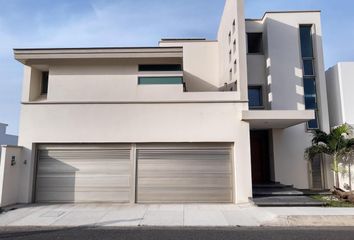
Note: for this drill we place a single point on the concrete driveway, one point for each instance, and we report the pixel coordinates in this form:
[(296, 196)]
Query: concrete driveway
[(112, 215), (134, 215)]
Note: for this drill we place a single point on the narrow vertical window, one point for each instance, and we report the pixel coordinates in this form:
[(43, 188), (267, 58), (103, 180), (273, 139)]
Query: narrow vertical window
[(309, 77), (230, 76), (234, 46), (234, 26), (235, 66), (229, 37), (44, 83), (230, 56)]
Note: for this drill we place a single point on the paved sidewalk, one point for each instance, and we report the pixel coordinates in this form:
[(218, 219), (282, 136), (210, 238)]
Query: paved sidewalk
[(109, 215)]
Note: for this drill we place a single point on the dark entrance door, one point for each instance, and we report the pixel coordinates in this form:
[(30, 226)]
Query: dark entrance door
[(260, 157)]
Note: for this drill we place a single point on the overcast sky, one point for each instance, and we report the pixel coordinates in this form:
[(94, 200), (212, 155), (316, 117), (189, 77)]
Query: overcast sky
[(100, 23)]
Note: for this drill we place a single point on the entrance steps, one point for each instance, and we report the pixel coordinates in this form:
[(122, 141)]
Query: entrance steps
[(278, 195)]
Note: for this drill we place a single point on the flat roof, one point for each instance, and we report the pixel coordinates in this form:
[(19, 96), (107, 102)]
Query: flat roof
[(276, 12), (183, 39), (25, 54)]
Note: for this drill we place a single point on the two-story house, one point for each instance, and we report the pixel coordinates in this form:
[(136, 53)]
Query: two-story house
[(191, 120)]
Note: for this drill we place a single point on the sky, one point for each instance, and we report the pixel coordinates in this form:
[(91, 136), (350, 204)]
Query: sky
[(113, 23)]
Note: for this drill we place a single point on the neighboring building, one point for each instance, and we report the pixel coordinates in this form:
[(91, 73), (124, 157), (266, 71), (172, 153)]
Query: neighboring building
[(340, 85), (175, 123), (6, 139), (340, 82)]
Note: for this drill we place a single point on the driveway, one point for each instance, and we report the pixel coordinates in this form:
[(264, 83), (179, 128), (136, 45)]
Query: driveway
[(117, 215), (108, 215)]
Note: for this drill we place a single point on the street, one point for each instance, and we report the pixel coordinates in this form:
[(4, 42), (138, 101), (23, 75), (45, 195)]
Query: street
[(93, 233)]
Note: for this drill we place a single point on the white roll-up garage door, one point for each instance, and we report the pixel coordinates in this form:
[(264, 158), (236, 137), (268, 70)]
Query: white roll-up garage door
[(81, 173), (189, 173)]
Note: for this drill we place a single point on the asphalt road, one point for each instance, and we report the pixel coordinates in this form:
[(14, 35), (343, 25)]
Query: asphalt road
[(92, 233)]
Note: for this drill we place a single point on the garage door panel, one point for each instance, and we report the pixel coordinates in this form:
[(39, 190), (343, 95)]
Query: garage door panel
[(180, 174), (188, 182), (187, 196), (84, 175), (91, 196), (68, 181)]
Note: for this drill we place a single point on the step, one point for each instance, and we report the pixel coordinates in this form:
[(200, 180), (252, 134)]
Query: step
[(275, 185), (308, 192), (286, 201), (277, 192)]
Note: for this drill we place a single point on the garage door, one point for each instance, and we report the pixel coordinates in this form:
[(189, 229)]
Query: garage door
[(84, 174), (184, 174)]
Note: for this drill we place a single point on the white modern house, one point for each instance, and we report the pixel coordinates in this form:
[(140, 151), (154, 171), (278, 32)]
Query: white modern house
[(189, 121), (340, 83)]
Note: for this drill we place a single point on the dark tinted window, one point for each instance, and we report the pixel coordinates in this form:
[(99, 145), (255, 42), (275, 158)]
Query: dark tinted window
[(160, 67), (255, 97), (306, 41), (44, 88), (159, 80), (255, 43), (310, 93), (308, 68), (313, 124)]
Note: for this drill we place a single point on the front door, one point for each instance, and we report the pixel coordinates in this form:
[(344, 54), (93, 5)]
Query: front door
[(260, 157)]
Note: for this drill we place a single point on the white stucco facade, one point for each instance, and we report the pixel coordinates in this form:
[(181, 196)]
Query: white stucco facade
[(340, 97), (94, 97), (279, 71)]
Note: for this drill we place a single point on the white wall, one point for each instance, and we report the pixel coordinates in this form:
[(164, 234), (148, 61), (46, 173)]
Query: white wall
[(10, 175), (335, 96), (284, 85), (233, 11), (340, 93), (340, 87), (200, 64), (137, 123)]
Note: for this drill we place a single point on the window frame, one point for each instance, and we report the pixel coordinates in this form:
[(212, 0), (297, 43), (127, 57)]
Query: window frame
[(160, 77), (261, 96), (307, 76)]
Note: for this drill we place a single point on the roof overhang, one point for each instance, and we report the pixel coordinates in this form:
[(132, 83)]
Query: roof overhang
[(24, 55), (278, 119)]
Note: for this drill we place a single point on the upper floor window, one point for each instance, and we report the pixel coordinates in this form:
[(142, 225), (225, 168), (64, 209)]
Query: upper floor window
[(255, 97), (234, 46), (306, 41), (234, 26), (229, 37), (159, 80), (159, 67), (255, 43), (309, 78), (44, 83)]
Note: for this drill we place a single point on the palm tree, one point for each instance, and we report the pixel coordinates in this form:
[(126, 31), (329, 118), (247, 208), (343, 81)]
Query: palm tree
[(336, 144)]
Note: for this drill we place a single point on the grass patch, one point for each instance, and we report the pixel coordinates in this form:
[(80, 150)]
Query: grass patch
[(332, 201)]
